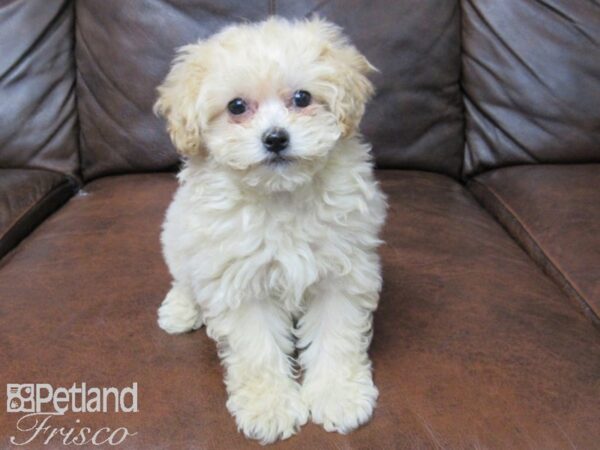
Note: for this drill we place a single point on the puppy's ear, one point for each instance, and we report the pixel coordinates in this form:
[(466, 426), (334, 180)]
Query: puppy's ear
[(178, 97), (352, 89)]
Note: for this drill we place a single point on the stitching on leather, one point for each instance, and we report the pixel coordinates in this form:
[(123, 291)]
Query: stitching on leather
[(51, 193), (534, 243), (76, 76), (41, 200), (461, 89)]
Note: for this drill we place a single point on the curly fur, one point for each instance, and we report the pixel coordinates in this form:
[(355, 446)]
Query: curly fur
[(276, 257)]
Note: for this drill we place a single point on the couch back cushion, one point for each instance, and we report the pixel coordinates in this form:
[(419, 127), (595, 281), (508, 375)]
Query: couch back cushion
[(37, 79), (124, 50), (415, 120), (531, 77)]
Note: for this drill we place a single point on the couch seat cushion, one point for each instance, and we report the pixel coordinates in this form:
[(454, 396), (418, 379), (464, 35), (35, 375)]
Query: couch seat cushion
[(474, 346), (26, 198), (554, 212)]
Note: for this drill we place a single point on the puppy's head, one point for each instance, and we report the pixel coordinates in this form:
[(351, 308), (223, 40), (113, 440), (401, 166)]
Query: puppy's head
[(268, 100)]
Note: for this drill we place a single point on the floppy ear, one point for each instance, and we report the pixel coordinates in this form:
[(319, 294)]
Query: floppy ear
[(353, 88), (177, 99)]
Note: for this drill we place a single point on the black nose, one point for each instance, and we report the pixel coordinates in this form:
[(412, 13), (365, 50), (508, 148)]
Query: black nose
[(276, 139)]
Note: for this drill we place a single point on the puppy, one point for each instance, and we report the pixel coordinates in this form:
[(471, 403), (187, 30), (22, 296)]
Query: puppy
[(271, 237)]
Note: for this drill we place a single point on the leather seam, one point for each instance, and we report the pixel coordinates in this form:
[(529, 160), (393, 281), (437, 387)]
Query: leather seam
[(33, 205), (14, 225), (76, 76), (534, 243)]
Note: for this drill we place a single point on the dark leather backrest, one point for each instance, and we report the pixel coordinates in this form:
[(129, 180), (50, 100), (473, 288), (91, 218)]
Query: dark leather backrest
[(415, 120), (124, 49), (531, 73), (37, 79)]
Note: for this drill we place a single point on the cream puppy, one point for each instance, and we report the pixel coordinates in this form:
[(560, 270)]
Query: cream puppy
[(271, 238)]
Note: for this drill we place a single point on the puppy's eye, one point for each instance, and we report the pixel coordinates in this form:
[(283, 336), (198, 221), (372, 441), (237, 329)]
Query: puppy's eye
[(302, 99), (237, 106)]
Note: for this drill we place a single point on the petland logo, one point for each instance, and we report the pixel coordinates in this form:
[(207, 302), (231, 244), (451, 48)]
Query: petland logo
[(41, 402)]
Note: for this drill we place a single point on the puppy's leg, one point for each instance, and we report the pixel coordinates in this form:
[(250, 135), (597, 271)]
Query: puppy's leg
[(335, 333), (179, 312), (255, 341)]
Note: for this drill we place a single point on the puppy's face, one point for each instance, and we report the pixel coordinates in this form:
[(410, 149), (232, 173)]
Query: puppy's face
[(268, 100)]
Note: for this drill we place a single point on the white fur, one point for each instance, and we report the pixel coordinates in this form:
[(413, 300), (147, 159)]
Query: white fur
[(259, 247)]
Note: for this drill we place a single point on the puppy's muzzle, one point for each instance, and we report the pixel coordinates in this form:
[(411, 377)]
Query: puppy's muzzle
[(276, 139)]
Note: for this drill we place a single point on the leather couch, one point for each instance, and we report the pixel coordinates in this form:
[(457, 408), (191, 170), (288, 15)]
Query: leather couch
[(486, 131)]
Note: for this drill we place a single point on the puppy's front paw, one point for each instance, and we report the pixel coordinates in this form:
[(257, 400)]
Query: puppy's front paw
[(179, 313), (268, 409), (341, 404)]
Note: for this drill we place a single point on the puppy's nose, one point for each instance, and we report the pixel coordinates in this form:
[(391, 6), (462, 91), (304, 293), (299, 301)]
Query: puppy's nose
[(276, 139)]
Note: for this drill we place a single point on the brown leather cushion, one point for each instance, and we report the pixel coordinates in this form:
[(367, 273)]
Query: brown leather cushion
[(474, 347), (530, 75), (124, 50), (554, 212), (27, 197), (37, 75)]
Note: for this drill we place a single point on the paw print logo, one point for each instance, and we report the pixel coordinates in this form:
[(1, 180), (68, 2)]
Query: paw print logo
[(20, 398)]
